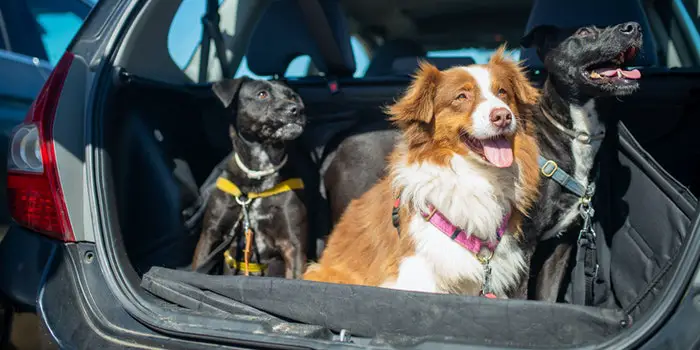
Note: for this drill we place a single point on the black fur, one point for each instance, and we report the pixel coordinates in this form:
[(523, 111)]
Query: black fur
[(266, 116), (567, 55)]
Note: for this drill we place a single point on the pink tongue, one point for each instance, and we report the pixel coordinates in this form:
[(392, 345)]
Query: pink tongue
[(632, 74), (611, 72), (498, 152)]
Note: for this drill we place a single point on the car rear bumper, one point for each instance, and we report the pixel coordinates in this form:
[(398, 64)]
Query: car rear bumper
[(65, 284), (23, 259)]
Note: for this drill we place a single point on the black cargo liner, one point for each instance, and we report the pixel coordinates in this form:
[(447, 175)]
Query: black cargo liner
[(644, 213), (632, 186)]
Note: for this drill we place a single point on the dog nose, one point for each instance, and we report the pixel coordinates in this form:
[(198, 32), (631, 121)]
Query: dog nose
[(293, 110), (501, 117), (630, 28)]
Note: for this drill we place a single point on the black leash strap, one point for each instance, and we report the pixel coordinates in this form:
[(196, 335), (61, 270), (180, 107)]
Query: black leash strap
[(194, 213), (585, 271), (216, 256)]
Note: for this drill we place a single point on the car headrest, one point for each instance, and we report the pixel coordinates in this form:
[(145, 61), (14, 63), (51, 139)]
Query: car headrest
[(409, 65), (385, 55), (281, 35), (601, 13)]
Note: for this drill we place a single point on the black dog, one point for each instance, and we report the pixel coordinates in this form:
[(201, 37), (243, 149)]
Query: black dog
[(581, 67), (256, 191), (355, 165)]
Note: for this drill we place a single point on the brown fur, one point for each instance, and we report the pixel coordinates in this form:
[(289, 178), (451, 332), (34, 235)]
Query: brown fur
[(364, 247)]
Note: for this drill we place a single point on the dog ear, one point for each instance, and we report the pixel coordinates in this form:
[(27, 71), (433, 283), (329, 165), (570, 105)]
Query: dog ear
[(418, 103), (539, 36), (543, 38), (227, 90), (524, 92)]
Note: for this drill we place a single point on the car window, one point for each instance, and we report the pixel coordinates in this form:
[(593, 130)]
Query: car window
[(3, 35), (59, 20), (185, 33), (693, 11), (479, 55), (42, 28), (675, 32)]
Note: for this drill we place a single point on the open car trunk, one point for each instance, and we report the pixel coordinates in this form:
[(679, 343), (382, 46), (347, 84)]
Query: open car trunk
[(164, 141)]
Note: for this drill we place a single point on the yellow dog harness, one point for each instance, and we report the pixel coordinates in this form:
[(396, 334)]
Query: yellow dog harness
[(285, 186), (244, 199)]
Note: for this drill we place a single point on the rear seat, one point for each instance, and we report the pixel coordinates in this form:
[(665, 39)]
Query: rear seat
[(401, 56), (386, 55), (408, 65)]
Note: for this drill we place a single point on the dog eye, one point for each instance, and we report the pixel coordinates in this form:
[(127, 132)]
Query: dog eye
[(584, 32), (463, 96), (262, 94), (502, 92)]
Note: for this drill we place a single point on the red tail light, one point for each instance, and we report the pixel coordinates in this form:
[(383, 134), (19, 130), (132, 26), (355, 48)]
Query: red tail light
[(34, 194)]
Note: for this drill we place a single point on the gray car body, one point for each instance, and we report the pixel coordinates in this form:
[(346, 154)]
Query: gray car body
[(109, 310)]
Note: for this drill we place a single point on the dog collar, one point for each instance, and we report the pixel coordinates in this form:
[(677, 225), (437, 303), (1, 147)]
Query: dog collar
[(550, 169), (256, 174), (579, 136), (229, 187), (469, 242)]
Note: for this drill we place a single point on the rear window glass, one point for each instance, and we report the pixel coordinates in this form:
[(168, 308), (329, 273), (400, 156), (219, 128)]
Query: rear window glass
[(58, 25), (41, 28), (479, 55), (185, 35), (186, 31)]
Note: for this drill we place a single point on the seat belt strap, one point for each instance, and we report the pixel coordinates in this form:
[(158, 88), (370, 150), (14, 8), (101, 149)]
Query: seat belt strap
[(210, 31)]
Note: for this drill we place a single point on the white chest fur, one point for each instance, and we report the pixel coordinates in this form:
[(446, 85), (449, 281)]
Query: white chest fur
[(472, 196), (585, 119)]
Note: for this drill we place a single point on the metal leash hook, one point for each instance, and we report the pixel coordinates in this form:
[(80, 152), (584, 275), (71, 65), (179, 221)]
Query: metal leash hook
[(486, 284), (243, 201), (587, 212)]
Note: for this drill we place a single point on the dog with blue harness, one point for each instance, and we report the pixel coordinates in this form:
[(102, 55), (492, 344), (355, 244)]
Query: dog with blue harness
[(583, 65)]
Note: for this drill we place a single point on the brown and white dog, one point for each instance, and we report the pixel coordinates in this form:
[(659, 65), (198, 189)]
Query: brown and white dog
[(462, 175)]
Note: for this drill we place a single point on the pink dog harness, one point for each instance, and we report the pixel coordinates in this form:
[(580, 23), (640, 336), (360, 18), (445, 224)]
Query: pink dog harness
[(469, 242)]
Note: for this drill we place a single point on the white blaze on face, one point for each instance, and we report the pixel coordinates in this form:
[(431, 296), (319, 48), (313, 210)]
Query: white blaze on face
[(497, 149), (482, 127)]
